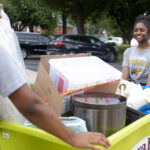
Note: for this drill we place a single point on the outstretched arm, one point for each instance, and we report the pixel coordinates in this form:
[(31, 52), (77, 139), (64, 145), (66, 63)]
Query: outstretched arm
[(38, 112)]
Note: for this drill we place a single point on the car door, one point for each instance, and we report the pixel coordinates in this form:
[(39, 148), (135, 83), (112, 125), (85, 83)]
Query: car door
[(70, 43), (98, 48), (31, 41), (83, 44), (43, 42)]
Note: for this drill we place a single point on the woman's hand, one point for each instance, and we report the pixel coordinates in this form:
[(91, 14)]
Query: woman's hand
[(87, 139)]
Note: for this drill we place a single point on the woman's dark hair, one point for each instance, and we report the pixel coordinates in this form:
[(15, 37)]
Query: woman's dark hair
[(143, 19)]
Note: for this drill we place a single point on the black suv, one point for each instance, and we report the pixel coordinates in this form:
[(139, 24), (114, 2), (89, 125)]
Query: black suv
[(33, 43), (65, 44)]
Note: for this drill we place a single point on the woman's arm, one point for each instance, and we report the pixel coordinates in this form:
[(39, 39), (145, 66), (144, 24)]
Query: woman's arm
[(148, 80), (125, 72)]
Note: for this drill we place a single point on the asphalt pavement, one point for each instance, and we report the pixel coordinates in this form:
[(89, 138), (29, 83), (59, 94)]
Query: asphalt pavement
[(117, 65)]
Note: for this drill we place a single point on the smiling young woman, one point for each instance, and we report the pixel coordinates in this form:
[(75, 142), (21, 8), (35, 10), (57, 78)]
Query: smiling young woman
[(136, 62)]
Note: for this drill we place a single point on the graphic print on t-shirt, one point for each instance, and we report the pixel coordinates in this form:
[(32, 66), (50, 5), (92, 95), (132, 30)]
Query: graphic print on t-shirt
[(138, 64), (136, 71)]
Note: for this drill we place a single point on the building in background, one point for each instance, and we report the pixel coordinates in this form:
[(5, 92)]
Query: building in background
[(70, 29)]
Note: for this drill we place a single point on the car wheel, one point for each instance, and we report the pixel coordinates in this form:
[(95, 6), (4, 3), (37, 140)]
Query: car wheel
[(111, 57), (24, 53)]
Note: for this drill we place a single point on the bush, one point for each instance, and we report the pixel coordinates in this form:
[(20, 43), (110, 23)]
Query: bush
[(121, 49)]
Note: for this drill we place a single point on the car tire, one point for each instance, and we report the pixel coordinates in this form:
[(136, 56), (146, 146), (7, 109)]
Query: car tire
[(111, 57), (24, 53)]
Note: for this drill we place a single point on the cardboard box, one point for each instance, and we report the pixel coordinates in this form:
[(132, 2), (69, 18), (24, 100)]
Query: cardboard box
[(45, 88)]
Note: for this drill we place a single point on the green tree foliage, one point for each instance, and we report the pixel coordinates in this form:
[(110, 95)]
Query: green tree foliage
[(120, 14), (80, 10), (10, 9), (103, 23), (118, 19), (125, 11), (29, 13)]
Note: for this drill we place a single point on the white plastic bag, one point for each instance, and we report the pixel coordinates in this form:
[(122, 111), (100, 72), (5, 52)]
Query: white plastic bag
[(136, 96)]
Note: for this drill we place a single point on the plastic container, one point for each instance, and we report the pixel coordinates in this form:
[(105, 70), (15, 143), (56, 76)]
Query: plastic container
[(145, 109), (80, 72), (18, 137), (133, 137), (145, 87)]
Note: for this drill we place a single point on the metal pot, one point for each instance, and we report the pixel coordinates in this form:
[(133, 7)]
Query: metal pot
[(105, 113)]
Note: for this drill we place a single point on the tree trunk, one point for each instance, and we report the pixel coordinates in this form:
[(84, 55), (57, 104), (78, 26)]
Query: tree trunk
[(64, 22), (79, 17), (31, 28), (80, 24)]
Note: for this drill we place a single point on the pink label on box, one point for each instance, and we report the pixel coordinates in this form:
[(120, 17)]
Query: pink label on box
[(60, 85)]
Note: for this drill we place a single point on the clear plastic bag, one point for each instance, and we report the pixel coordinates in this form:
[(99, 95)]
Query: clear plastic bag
[(74, 123)]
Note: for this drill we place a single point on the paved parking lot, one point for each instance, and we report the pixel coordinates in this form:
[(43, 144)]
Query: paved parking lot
[(117, 65)]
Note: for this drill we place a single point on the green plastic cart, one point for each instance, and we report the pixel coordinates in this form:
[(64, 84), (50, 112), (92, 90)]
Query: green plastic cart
[(19, 137)]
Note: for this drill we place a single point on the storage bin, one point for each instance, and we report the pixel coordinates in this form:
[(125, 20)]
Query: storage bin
[(19, 137), (80, 72)]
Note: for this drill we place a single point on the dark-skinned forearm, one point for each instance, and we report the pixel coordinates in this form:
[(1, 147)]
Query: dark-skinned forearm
[(39, 113)]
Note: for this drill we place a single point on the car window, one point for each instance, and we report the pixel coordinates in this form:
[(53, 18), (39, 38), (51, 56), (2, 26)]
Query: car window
[(95, 41), (31, 37), (84, 39), (20, 36), (58, 38), (71, 38), (44, 39)]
